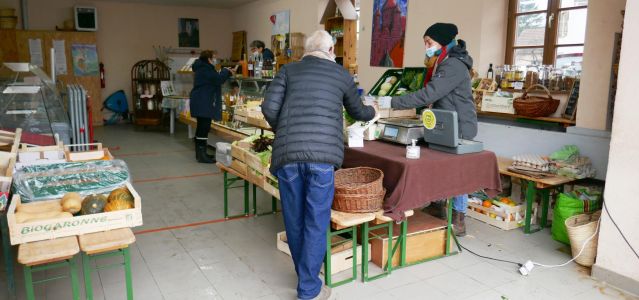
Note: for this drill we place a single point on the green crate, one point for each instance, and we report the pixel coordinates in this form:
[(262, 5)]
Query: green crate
[(390, 72), (405, 82)]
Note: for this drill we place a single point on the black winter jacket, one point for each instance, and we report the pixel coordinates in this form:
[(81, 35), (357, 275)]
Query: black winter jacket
[(206, 95), (304, 106)]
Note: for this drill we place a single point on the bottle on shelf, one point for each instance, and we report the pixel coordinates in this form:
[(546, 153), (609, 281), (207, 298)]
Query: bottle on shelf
[(490, 74), (244, 65), (251, 67)]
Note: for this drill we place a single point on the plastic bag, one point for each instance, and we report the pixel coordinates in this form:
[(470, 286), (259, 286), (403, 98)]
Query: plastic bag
[(43, 182), (568, 205)]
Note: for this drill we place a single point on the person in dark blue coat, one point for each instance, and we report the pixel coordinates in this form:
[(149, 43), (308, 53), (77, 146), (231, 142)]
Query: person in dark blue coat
[(258, 47), (206, 100)]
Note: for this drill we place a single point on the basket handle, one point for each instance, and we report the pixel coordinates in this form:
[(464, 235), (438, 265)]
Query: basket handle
[(525, 95)]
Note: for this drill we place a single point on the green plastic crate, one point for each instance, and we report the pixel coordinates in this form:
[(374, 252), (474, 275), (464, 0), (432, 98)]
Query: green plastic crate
[(390, 72)]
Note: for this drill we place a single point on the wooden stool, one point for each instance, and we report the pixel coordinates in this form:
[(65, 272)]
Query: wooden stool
[(45, 255), (106, 244), (344, 222), (382, 221)]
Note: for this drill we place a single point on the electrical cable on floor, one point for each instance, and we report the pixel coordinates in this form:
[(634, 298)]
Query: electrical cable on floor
[(578, 254), (460, 247), (619, 229)]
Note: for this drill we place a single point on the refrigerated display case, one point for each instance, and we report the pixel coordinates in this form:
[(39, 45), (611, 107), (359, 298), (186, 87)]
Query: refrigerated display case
[(30, 100)]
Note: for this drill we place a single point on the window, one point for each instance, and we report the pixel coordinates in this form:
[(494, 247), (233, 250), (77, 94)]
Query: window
[(549, 32)]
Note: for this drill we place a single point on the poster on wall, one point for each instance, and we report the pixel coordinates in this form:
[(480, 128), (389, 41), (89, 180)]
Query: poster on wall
[(35, 52), (281, 22), (85, 60), (389, 28), (60, 57), (188, 33)]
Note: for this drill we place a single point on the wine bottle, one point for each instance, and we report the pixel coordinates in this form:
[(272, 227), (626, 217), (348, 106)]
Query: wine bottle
[(490, 74)]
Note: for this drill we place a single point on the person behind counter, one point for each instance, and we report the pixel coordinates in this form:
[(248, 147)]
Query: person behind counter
[(206, 99), (304, 106), (258, 47), (447, 86)]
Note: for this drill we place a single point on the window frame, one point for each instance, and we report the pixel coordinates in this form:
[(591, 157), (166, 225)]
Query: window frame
[(551, 44)]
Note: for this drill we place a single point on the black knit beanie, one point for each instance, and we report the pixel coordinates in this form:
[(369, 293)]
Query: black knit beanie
[(443, 33)]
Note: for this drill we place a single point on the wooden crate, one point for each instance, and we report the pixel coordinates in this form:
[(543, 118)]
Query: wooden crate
[(239, 167), (255, 163), (253, 177), (397, 113), (341, 255), (10, 140), (50, 229), (426, 239), (238, 153), (96, 152), (40, 155), (270, 188), (510, 220)]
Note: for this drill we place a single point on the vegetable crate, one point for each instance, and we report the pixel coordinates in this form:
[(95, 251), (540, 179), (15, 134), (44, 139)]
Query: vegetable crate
[(21, 233), (378, 85), (341, 254), (507, 218)]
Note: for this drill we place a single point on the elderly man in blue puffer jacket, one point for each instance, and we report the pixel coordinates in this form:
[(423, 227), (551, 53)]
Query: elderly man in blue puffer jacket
[(304, 106)]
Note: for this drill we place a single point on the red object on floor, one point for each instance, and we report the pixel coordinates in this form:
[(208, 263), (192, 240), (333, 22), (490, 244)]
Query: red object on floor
[(90, 119), (33, 138)]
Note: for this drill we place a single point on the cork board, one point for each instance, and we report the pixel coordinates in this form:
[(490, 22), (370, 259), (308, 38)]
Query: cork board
[(92, 84)]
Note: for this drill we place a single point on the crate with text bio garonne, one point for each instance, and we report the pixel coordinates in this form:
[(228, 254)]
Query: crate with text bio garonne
[(73, 214)]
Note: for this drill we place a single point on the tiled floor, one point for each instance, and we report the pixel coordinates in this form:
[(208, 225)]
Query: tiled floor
[(238, 259)]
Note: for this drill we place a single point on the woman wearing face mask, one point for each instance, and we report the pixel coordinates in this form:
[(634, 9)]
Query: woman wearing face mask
[(447, 86), (258, 47), (206, 99)]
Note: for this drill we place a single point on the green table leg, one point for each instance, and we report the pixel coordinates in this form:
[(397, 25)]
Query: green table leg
[(8, 255), (403, 236), (28, 283), (86, 268), (274, 204), (531, 191), (449, 225), (366, 229), (226, 195), (545, 202), (127, 273), (254, 200), (328, 280), (246, 198), (75, 284)]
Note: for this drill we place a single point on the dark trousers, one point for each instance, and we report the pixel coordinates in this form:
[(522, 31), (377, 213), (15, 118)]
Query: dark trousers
[(306, 191), (202, 129)]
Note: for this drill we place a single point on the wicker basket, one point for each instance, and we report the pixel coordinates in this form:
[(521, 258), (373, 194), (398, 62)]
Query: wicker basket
[(358, 181), (359, 203), (535, 106), (580, 228)]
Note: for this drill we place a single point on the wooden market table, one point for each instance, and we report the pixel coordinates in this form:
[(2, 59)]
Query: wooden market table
[(541, 186)]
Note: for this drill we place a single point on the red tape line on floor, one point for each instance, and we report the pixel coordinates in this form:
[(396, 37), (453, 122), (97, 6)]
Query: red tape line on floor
[(191, 224), (175, 177)]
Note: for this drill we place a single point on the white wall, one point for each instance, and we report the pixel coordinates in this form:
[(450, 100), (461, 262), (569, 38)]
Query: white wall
[(621, 183), (481, 23), (604, 19)]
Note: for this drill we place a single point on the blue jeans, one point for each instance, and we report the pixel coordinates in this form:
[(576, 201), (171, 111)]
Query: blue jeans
[(306, 191), (460, 203)]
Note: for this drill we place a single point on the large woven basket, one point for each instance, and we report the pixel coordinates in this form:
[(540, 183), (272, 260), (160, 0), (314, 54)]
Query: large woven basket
[(580, 228), (359, 203), (360, 180), (535, 106)]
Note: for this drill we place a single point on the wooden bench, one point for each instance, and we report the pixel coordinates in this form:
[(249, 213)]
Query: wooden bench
[(106, 244), (49, 254), (228, 184), (541, 186)]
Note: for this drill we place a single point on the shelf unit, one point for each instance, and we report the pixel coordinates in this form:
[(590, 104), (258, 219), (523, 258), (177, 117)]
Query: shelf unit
[(346, 41), (562, 121), (146, 78)]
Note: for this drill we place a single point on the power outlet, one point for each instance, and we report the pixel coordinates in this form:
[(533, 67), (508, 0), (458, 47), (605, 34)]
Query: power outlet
[(526, 268)]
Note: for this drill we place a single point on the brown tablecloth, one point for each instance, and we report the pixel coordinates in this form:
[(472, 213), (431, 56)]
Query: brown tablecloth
[(412, 183)]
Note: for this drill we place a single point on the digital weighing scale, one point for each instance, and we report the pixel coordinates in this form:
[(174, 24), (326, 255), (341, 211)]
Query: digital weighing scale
[(400, 130), (445, 135)]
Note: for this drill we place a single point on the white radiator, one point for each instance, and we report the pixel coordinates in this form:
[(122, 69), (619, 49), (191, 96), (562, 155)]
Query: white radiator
[(77, 107)]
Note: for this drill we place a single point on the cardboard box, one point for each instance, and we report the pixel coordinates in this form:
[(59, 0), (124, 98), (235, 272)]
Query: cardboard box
[(426, 238)]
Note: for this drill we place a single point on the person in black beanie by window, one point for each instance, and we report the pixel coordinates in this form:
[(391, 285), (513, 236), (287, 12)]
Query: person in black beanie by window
[(447, 86)]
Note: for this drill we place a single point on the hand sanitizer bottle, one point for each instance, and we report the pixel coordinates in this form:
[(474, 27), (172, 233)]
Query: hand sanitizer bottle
[(413, 151)]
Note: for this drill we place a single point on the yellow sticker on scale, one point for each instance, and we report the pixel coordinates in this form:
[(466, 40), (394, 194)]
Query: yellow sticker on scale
[(428, 118)]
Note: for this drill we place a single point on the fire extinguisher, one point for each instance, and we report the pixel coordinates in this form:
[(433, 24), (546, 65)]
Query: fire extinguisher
[(102, 84)]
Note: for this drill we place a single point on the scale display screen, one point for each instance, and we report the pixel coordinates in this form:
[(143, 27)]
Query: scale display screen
[(391, 132)]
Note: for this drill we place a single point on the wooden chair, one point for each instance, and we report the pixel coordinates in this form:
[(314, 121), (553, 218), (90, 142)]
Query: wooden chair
[(45, 255), (99, 245), (344, 223)]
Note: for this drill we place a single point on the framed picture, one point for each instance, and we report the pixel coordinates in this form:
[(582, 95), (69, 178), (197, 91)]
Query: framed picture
[(85, 60), (188, 33), (389, 31)]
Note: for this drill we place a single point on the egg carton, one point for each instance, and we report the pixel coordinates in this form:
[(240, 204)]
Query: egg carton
[(532, 161)]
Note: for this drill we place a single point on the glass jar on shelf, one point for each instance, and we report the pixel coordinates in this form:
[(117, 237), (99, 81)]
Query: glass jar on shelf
[(557, 80), (544, 75), (499, 74), (519, 73), (507, 77), (532, 76)]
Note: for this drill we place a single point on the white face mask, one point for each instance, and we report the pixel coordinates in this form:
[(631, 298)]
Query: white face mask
[(430, 52)]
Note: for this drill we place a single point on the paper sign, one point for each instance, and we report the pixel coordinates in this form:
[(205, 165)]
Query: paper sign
[(35, 51), (21, 90), (60, 57), (429, 119)]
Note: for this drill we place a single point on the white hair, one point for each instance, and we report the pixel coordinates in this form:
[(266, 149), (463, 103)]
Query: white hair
[(318, 41)]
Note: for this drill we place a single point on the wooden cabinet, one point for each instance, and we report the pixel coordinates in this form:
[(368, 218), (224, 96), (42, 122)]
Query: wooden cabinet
[(146, 78)]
